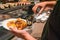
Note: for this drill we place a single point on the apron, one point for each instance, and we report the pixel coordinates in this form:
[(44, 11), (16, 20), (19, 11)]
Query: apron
[(51, 30)]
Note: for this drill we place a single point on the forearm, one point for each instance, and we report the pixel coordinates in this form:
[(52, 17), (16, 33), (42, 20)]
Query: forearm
[(51, 2), (29, 37)]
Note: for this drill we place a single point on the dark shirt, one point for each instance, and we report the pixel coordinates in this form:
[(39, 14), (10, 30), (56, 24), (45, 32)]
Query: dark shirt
[(52, 28)]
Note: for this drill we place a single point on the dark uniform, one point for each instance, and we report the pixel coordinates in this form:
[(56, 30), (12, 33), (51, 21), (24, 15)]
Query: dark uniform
[(52, 28)]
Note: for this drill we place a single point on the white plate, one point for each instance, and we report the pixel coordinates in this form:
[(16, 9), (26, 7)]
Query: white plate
[(4, 23)]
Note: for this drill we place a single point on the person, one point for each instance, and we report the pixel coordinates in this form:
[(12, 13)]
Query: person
[(51, 30), (21, 34)]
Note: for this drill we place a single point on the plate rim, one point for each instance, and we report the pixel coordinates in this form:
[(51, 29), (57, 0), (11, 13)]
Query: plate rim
[(4, 24)]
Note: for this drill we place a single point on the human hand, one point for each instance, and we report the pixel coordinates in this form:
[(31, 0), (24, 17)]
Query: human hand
[(44, 6), (18, 33), (21, 34), (41, 5)]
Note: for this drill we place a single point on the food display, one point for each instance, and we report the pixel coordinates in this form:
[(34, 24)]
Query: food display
[(15, 4), (12, 4), (8, 5), (18, 23), (24, 12)]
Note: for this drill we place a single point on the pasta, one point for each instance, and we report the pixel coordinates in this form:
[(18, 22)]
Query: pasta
[(19, 24)]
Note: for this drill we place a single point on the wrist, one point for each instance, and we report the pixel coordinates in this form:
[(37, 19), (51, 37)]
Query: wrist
[(50, 2), (29, 37)]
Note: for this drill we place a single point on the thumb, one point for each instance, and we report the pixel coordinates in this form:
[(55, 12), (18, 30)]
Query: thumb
[(12, 29), (15, 30)]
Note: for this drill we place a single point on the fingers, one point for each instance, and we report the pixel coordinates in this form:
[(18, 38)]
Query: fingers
[(19, 33), (42, 9), (34, 8), (15, 30), (48, 8)]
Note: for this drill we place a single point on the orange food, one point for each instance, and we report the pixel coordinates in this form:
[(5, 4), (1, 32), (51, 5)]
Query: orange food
[(19, 24), (24, 0)]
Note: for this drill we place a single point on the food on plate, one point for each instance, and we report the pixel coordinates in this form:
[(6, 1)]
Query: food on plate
[(19, 23), (11, 23)]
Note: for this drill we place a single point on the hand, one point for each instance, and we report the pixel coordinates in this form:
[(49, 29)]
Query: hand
[(18, 33), (21, 34), (42, 5)]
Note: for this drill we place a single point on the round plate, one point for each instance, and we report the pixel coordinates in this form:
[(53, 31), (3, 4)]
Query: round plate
[(4, 23)]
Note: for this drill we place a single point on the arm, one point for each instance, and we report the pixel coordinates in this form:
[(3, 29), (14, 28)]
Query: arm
[(22, 34), (51, 2), (43, 5), (29, 37)]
